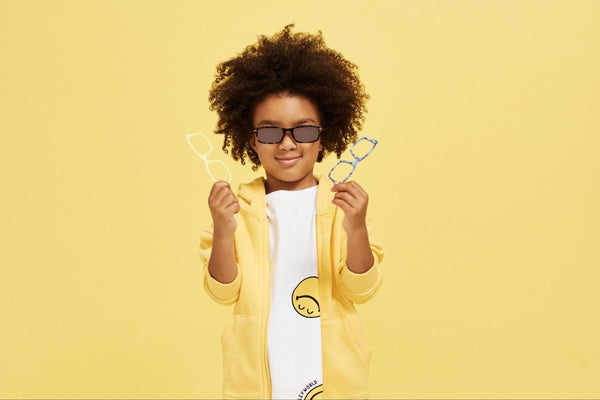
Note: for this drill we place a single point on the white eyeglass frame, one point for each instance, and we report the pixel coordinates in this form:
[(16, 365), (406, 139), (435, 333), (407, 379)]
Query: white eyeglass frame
[(188, 137)]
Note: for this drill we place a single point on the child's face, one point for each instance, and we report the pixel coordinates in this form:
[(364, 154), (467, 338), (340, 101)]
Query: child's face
[(286, 111)]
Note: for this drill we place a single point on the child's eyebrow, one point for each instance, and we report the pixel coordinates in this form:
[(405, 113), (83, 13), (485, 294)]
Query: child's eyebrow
[(300, 121)]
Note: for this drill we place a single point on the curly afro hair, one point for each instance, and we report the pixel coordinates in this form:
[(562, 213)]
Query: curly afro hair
[(296, 64)]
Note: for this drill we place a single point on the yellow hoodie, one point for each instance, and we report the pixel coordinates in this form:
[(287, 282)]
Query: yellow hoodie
[(346, 354)]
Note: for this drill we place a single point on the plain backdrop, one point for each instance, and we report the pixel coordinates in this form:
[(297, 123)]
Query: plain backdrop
[(483, 190)]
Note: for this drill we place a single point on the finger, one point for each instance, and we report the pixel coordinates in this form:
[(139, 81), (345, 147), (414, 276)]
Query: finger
[(226, 198), (223, 190), (360, 189), (349, 187), (339, 186), (358, 192), (342, 204), (216, 188), (218, 185), (218, 196), (348, 198), (234, 206)]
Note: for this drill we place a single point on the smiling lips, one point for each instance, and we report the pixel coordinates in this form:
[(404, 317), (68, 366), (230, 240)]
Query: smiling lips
[(288, 160)]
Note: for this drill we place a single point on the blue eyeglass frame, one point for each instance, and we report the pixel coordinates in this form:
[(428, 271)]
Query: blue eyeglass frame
[(356, 159)]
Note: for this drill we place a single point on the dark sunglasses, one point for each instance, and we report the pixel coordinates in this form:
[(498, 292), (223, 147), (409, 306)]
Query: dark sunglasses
[(301, 134)]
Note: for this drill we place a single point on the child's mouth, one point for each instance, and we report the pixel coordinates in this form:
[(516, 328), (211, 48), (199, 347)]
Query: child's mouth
[(290, 161)]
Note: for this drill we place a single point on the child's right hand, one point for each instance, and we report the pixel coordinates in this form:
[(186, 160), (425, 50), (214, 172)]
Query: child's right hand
[(223, 204)]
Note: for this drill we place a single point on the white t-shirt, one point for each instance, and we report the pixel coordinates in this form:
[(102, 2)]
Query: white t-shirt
[(294, 330)]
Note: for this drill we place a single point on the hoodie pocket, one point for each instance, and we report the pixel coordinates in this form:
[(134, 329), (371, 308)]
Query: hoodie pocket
[(242, 356), (346, 360)]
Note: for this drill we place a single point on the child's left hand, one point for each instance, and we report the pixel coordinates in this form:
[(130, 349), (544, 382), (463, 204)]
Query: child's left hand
[(353, 200)]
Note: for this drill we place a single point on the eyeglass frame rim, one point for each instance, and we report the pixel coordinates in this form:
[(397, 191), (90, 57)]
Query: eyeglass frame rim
[(291, 130), (204, 156), (356, 159)]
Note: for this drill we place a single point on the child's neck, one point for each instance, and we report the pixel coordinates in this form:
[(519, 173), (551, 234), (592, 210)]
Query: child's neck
[(272, 184)]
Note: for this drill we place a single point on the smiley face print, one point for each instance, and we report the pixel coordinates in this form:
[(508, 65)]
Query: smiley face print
[(305, 298), (315, 393), (312, 391)]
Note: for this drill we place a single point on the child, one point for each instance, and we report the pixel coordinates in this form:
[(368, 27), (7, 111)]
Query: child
[(292, 252)]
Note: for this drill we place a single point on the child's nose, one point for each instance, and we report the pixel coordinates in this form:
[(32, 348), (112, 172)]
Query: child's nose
[(287, 141)]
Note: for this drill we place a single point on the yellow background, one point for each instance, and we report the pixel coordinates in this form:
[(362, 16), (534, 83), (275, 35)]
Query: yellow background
[(483, 189)]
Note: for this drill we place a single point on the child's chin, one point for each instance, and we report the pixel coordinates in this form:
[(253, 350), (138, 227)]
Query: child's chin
[(290, 176)]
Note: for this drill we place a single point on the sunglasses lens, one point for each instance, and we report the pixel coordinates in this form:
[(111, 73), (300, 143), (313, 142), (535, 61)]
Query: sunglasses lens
[(269, 135), (306, 134), (302, 134)]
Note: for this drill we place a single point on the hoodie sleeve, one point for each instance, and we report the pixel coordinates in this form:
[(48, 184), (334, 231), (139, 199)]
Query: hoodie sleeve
[(359, 288), (223, 293)]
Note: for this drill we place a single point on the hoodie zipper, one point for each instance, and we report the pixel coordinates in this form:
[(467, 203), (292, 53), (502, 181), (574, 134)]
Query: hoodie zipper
[(268, 294)]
